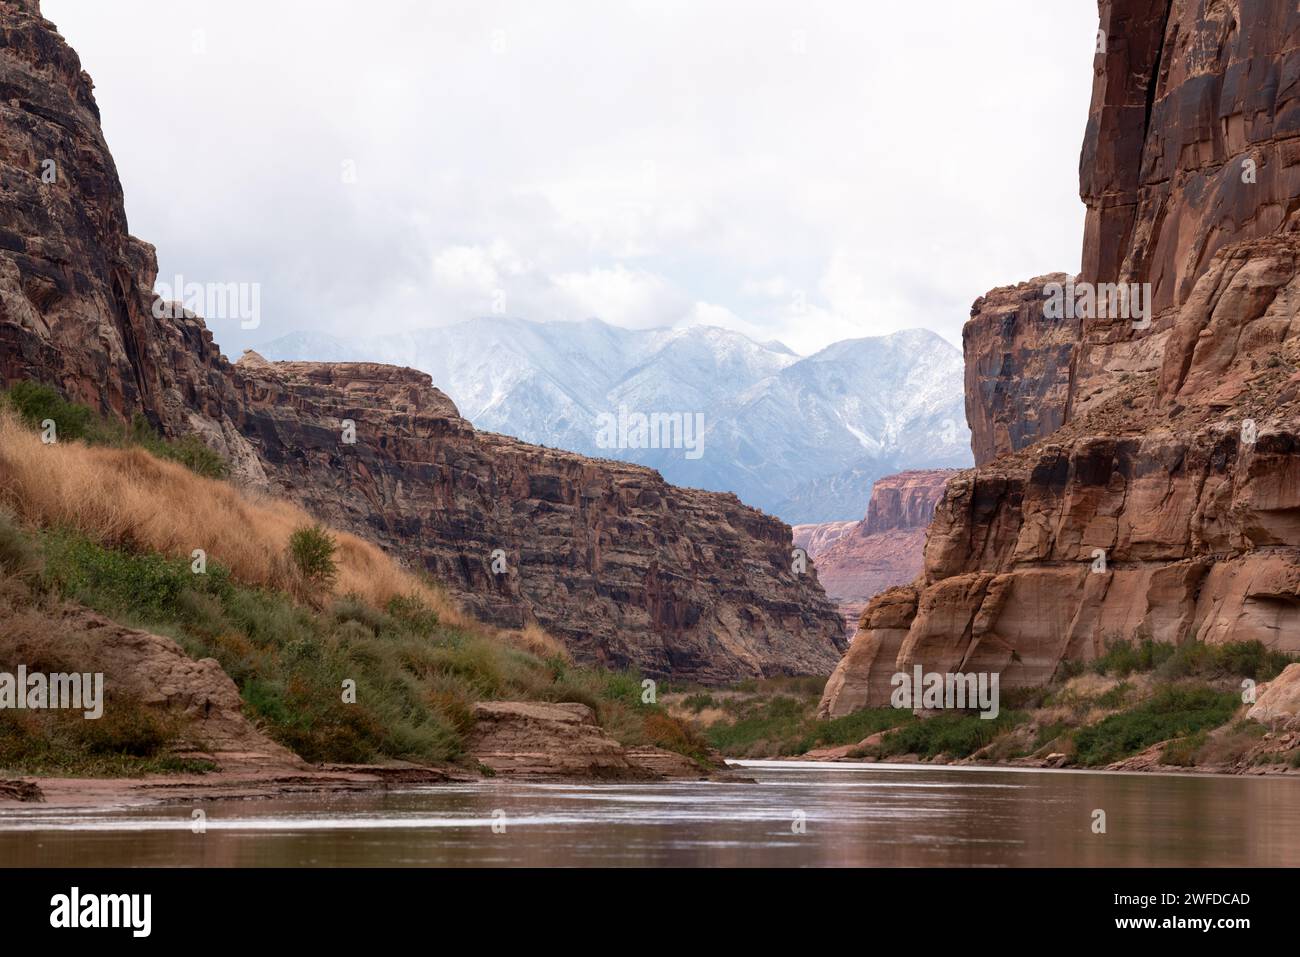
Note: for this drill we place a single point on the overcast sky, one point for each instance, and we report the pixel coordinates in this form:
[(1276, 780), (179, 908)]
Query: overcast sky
[(807, 171)]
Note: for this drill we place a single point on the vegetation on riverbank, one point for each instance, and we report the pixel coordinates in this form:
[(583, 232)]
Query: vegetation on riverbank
[(1136, 696)]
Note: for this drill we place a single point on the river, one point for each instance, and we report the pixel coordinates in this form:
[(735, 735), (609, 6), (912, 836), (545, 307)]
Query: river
[(796, 814)]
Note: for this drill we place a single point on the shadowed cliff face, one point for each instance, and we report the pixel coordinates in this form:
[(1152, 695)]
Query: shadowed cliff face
[(1193, 144), (623, 567), (1133, 482)]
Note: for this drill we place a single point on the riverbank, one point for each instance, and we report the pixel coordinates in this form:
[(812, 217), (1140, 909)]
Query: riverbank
[(1224, 709), (521, 740)]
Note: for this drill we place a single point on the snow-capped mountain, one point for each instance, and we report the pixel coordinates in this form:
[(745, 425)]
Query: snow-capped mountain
[(802, 438)]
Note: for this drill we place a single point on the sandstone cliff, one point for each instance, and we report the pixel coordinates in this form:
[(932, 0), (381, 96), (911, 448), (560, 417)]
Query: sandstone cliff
[(1155, 491), (623, 567), (885, 549)]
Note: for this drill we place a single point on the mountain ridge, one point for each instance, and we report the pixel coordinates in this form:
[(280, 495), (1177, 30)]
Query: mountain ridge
[(801, 437)]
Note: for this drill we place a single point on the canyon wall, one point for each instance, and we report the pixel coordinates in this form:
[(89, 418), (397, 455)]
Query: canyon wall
[(624, 568), (857, 562), (1156, 493)]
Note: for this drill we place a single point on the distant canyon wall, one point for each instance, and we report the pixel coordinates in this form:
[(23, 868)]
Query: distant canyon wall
[(857, 560)]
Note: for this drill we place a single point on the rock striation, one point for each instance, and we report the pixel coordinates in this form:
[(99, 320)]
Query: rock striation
[(624, 568), (1154, 493), (621, 566)]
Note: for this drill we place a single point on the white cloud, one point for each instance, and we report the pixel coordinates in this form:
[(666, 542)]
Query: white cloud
[(809, 169), (625, 297)]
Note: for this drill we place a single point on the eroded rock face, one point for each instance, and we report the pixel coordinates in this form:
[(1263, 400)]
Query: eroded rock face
[(621, 566), (1171, 512), (1192, 146), (856, 560), (1192, 137), (1153, 491), (1018, 368), (76, 289)]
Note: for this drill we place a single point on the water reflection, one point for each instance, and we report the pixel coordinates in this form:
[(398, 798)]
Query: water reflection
[(852, 815)]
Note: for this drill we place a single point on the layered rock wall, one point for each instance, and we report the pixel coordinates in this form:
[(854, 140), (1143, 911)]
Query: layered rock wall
[(1154, 493)]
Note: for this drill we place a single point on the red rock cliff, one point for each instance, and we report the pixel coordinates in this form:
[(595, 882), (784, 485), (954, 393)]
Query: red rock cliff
[(1166, 503), (623, 567)]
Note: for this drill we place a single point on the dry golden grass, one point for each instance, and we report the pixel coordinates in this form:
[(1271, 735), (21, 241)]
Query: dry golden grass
[(534, 639), (128, 498)]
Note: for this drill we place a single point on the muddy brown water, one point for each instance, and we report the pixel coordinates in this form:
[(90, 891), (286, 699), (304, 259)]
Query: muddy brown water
[(797, 814)]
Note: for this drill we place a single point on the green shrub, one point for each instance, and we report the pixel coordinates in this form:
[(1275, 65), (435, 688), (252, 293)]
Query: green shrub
[(1174, 712), (1182, 752), (1241, 659), (148, 585), (1115, 697), (852, 728), (1124, 658), (19, 555), (1245, 659), (957, 735), (312, 551), (35, 403)]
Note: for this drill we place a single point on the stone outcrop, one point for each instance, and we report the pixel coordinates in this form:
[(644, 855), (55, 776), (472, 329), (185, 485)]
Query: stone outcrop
[(624, 568), (151, 669), (532, 739), (1018, 368), (1192, 145), (1159, 496), (1278, 704), (885, 549), (815, 539)]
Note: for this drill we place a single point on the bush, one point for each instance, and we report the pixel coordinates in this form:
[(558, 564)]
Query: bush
[(35, 403), (852, 728), (666, 732), (1124, 658), (1174, 712), (19, 555), (957, 735), (312, 551), (1244, 659), (1240, 659), (147, 586)]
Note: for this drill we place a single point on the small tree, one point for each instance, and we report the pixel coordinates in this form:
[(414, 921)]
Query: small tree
[(312, 550)]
